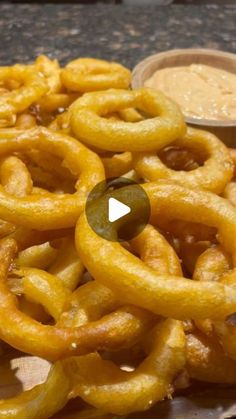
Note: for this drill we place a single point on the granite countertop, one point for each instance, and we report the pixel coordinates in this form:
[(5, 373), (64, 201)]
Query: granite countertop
[(122, 33)]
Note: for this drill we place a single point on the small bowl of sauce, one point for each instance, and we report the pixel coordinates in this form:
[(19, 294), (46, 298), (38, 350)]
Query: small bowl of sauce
[(201, 81)]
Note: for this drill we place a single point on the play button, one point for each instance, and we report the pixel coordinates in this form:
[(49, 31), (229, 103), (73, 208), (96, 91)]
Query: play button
[(118, 209)]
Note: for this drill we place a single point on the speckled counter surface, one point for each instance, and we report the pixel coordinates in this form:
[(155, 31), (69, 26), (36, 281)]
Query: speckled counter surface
[(121, 33)]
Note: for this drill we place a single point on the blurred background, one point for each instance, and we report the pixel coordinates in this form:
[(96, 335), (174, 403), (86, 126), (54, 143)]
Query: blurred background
[(126, 31), (130, 2)]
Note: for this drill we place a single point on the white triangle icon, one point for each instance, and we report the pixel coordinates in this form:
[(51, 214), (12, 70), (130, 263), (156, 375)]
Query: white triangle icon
[(117, 210)]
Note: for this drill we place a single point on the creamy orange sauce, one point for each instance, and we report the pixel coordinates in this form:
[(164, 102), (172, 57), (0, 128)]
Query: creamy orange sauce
[(200, 90)]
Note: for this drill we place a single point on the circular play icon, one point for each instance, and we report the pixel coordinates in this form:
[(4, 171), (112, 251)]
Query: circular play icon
[(118, 209)]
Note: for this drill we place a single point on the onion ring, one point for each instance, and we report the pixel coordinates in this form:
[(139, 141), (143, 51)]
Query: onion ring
[(206, 360), (52, 342), (51, 72), (93, 300), (18, 100), (43, 400), (15, 177), (89, 74), (102, 384), (230, 193), (67, 266), (118, 164), (25, 121), (213, 175), (51, 211), (138, 284), (39, 256), (212, 264), (89, 125)]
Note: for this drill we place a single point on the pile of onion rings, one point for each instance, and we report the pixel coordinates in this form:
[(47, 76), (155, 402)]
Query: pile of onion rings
[(123, 324)]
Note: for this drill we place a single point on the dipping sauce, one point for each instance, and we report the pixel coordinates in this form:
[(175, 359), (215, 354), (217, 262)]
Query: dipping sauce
[(200, 90)]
